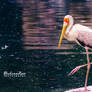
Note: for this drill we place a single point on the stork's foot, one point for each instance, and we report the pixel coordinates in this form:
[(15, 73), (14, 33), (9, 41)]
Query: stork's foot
[(74, 70), (84, 90), (77, 68)]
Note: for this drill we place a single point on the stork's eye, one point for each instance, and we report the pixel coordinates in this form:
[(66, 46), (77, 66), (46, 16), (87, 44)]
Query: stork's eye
[(66, 20)]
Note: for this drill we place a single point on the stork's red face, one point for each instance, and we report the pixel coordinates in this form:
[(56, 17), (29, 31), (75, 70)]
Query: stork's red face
[(66, 20)]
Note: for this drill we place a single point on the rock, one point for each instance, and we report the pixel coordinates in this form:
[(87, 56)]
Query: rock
[(81, 89)]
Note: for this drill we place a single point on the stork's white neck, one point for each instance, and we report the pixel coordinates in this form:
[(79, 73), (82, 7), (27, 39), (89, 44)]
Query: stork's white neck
[(70, 25), (68, 30)]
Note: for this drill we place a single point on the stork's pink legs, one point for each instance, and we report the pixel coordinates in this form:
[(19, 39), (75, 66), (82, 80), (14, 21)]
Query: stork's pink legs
[(88, 68)]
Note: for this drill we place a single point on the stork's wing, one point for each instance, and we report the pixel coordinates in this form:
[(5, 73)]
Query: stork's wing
[(85, 38)]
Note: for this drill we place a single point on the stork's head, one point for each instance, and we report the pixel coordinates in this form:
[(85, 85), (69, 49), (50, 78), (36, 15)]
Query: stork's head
[(68, 20)]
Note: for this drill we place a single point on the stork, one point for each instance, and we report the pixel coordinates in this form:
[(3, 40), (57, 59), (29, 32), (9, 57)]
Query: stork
[(80, 34)]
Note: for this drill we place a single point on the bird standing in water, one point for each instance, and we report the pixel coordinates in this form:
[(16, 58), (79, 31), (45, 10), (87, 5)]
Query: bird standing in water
[(82, 35)]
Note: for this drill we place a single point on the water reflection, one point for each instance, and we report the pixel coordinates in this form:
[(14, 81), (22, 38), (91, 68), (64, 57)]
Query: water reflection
[(41, 25), (81, 12)]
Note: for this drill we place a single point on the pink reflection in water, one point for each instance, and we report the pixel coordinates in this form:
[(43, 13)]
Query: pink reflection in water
[(39, 25)]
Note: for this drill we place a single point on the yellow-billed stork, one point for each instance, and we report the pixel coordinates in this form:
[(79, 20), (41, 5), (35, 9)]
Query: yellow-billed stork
[(81, 35)]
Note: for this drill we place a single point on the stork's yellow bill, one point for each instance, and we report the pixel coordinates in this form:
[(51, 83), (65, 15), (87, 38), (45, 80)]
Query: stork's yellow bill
[(66, 22)]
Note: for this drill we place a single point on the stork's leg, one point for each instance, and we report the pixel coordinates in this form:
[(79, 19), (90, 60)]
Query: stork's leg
[(88, 68), (77, 68)]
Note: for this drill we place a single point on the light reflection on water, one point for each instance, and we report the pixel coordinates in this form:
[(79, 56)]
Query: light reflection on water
[(41, 28), (33, 36)]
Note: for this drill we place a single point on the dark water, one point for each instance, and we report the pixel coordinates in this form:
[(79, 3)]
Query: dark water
[(29, 34)]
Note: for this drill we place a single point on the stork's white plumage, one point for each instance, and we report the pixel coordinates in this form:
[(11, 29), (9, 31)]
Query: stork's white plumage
[(80, 34)]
